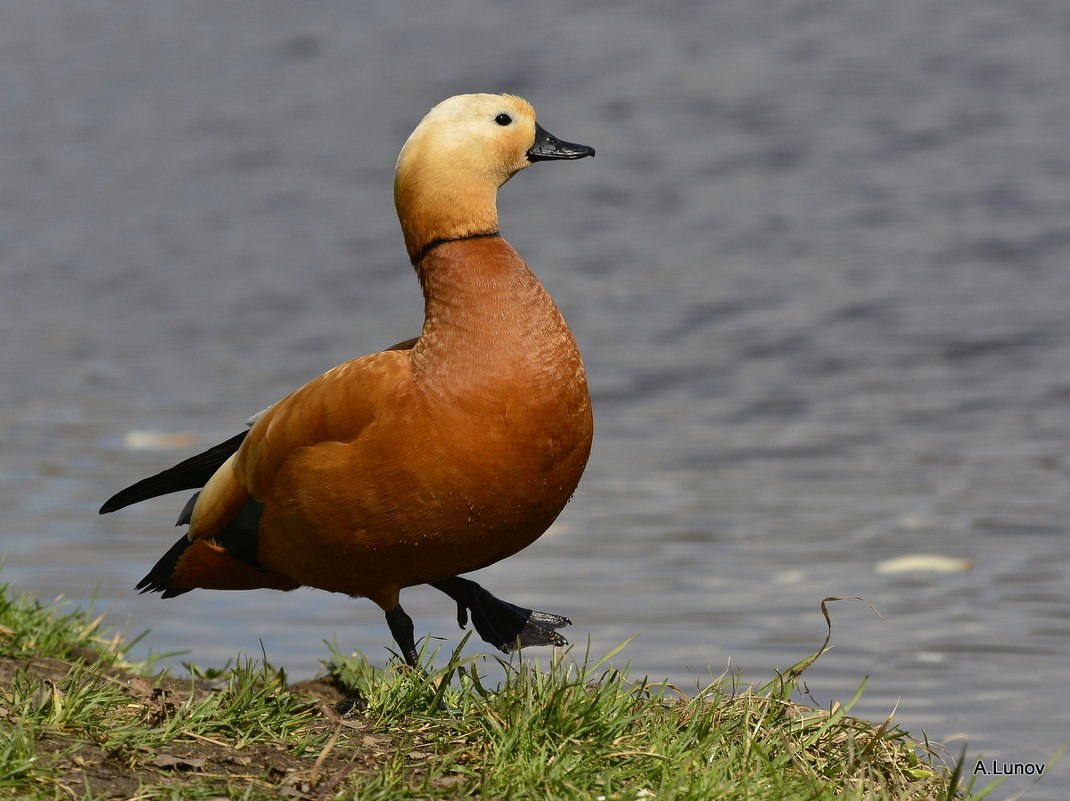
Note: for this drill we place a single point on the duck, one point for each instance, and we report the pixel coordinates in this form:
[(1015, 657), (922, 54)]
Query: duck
[(429, 460)]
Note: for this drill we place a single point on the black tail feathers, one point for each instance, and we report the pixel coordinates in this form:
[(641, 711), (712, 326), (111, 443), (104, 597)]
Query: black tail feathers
[(160, 575)]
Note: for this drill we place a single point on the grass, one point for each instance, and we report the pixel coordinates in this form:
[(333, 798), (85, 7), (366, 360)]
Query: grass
[(79, 720)]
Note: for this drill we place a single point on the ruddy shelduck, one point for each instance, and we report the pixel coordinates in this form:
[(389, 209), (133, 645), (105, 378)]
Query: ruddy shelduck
[(436, 457)]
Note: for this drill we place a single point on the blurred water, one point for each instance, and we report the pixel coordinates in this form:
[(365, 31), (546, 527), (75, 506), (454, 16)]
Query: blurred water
[(818, 272)]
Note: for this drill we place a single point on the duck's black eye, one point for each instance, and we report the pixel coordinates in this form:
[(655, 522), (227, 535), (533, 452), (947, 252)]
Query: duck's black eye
[(503, 119)]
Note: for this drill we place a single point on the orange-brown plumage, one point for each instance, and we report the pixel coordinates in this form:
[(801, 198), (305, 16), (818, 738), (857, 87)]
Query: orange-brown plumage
[(439, 457)]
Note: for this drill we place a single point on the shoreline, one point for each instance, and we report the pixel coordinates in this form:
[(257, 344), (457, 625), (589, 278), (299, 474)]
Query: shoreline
[(87, 723)]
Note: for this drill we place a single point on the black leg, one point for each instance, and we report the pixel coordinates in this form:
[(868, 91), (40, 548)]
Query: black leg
[(402, 629), (499, 622)]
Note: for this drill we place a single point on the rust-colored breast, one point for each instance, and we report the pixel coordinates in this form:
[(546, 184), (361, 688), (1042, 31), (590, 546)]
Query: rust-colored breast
[(465, 456)]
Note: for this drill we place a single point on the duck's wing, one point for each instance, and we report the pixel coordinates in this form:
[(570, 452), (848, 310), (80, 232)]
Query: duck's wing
[(221, 548), (335, 407), (194, 472)]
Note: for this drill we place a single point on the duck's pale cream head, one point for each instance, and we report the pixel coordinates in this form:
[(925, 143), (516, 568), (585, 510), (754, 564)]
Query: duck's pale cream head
[(451, 167)]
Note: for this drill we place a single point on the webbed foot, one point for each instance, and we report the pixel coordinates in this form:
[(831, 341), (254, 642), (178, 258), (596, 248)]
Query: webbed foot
[(500, 623)]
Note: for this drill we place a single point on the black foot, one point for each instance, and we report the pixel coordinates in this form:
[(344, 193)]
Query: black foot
[(499, 622), (402, 629)]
